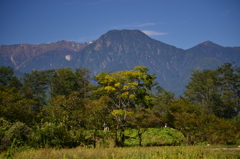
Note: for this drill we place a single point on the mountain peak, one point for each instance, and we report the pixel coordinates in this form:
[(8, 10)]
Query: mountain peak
[(62, 41), (206, 44), (209, 43), (112, 34), (126, 41), (125, 31)]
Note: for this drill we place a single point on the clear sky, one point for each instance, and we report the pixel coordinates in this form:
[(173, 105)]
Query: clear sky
[(181, 23)]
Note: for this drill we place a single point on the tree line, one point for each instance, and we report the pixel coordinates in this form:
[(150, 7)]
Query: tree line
[(62, 108)]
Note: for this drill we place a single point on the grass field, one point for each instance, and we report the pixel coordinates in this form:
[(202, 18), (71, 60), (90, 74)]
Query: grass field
[(154, 143), (164, 152)]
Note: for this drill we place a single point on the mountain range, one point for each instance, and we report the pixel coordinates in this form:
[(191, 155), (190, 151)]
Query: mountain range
[(122, 50)]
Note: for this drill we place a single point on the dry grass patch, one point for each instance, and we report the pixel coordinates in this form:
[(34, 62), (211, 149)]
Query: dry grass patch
[(171, 152)]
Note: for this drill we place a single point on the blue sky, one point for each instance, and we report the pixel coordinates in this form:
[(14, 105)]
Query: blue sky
[(181, 23)]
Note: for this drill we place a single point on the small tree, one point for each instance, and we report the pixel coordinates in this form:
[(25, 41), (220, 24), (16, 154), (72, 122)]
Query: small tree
[(184, 116), (96, 116), (143, 119)]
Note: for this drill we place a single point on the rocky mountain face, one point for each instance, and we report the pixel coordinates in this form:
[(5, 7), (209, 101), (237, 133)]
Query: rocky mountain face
[(122, 50)]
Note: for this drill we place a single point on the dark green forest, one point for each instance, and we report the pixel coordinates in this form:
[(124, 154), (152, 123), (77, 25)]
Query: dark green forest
[(61, 108)]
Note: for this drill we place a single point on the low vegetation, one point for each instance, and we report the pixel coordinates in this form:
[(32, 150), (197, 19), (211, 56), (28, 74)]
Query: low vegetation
[(179, 152)]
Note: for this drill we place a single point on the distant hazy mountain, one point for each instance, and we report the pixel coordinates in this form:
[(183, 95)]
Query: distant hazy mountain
[(122, 50), (25, 57)]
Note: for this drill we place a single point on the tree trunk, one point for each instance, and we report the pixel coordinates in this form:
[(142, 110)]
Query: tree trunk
[(140, 139), (94, 139), (122, 136), (116, 139)]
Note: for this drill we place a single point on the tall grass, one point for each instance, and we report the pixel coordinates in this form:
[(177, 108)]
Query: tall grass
[(170, 152)]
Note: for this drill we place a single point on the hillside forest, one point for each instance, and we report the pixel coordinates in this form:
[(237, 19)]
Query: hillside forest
[(63, 108)]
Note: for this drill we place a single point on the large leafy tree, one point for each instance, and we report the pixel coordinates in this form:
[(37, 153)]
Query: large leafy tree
[(69, 110), (14, 106), (69, 92), (83, 79), (126, 90), (36, 86), (65, 81), (229, 87), (216, 91), (203, 90)]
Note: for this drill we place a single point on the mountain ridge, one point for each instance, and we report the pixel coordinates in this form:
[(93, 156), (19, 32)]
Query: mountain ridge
[(19, 54), (124, 49)]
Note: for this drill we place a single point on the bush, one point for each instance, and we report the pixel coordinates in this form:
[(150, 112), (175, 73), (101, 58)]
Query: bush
[(48, 134), (18, 132), (4, 126), (154, 137), (55, 135)]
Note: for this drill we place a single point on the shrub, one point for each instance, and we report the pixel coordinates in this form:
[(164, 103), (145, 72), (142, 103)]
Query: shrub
[(154, 137), (18, 132), (4, 126), (49, 134), (56, 135)]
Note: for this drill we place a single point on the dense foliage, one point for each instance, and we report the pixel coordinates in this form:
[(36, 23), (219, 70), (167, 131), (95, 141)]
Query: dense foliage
[(61, 108)]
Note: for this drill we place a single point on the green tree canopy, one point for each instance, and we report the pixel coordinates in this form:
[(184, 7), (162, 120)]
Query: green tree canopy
[(36, 86), (14, 106), (216, 91), (229, 90), (7, 77), (65, 81), (127, 89)]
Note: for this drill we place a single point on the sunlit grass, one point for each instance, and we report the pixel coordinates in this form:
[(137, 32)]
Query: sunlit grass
[(180, 152)]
